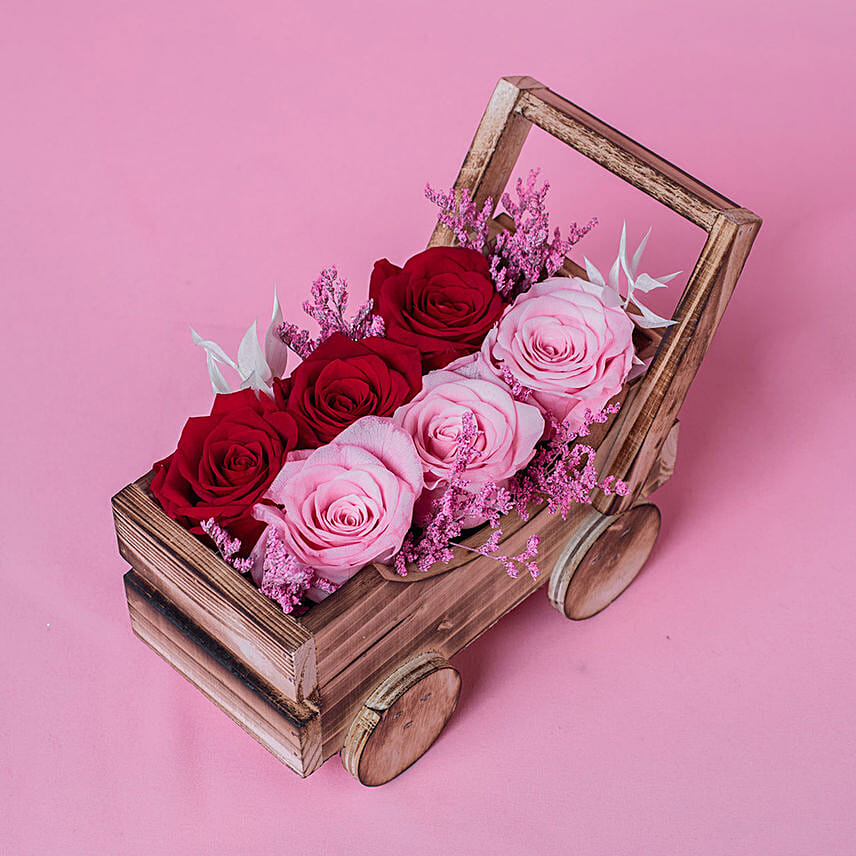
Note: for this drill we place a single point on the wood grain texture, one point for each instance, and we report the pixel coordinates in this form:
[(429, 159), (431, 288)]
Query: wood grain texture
[(593, 570), (211, 594), (401, 719), (372, 625), (290, 731), (664, 466), (731, 231), (644, 424), (494, 150), (623, 156)]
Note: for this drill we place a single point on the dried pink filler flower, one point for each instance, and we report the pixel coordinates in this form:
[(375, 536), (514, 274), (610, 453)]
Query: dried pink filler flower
[(561, 475), (521, 258), (227, 546), (328, 307), (459, 213), (517, 259), (282, 577)]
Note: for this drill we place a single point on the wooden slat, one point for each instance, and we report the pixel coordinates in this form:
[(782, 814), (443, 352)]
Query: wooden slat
[(494, 150), (665, 466), (644, 424), (399, 620), (213, 595), (623, 156), (290, 731)]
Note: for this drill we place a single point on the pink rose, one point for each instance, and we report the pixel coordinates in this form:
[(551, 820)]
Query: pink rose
[(561, 340), (508, 430), (349, 503)]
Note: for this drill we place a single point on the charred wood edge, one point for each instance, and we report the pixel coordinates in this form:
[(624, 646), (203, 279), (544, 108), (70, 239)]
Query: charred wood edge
[(298, 715), (200, 579)]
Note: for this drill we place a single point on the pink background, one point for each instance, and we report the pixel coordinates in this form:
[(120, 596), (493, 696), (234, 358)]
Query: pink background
[(163, 164)]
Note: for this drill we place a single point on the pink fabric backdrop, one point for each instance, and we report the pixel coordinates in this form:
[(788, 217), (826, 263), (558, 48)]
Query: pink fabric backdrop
[(164, 164)]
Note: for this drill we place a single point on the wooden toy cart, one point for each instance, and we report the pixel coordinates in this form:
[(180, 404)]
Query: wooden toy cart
[(366, 672)]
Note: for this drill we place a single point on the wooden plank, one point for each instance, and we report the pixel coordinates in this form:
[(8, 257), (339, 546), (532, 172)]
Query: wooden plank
[(213, 595), (646, 422), (290, 731), (372, 625), (623, 156), (494, 150), (664, 469)]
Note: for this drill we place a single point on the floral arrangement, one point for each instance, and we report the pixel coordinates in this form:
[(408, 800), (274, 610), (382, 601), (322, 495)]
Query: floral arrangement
[(460, 392)]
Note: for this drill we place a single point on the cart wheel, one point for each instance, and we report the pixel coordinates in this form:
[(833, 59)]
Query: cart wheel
[(598, 565), (400, 720)]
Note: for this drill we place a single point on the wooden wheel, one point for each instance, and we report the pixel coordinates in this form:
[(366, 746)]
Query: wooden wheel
[(599, 564), (400, 720)]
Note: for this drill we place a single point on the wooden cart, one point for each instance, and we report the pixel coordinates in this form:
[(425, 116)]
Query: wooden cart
[(366, 673)]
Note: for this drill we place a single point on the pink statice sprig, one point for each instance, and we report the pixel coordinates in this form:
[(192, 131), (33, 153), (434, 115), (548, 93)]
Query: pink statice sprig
[(455, 504), (562, 474), (523, 257), (460, 214), (328, 307), (227, 547), (284, 579)]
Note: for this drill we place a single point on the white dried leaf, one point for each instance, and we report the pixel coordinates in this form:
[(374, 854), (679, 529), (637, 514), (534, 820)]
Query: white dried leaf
[(646, 283), (218, 382), (212, 349), (593, 274), (637, 256), (251, 360), (276, 351)]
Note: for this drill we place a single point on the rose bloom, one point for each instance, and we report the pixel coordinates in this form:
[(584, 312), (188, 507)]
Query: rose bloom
[(507, 431), (442, 302), (224, 463), (348, 503), (561, 340), (342, 381)]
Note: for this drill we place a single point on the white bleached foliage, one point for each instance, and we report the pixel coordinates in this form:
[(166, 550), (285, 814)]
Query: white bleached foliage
[(256, 367)]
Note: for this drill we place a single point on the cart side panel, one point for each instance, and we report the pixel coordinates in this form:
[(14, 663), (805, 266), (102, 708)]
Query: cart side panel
[(291, 732), (645, 424), (192, 578), (441, 614)]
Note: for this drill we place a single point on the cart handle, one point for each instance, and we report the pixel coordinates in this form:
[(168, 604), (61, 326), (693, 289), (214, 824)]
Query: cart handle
[(518, 103)]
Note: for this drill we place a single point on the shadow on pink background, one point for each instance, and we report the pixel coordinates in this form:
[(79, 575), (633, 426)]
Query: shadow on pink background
[(166, 164)]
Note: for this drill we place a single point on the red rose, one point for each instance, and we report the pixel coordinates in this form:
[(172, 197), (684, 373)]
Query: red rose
[(343, 380), (442, 302), (224, 463)]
